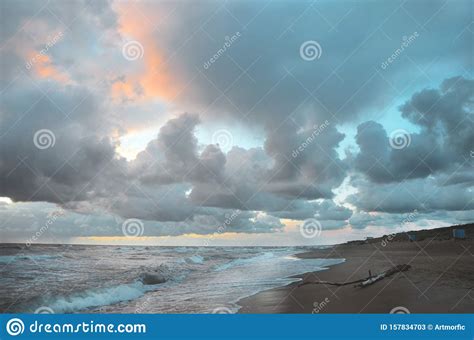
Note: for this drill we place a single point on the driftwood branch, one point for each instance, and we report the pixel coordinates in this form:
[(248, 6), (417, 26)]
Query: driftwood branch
[(363, 282)]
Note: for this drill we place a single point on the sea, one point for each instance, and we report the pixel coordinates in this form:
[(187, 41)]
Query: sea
[(109, 279)]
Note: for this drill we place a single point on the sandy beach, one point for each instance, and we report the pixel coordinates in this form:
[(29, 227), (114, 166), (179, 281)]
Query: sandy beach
[(440, 280)]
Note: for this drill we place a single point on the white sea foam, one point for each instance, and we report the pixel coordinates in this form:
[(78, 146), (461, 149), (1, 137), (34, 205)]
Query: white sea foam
[(98, 297), (245, 261)]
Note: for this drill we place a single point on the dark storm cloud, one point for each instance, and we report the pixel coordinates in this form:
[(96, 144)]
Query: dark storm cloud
[(306, 162), (355, 39), (80, 155), (346, 80), (178, 185), (422, 195), (447, 112), (432, 171), (383, 163), (327, 213), (330, 211), (173, 157), (446, 136)]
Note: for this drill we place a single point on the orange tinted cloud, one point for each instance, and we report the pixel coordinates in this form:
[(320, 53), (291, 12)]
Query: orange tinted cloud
[(123, 89), (136, 22), (42, 67)]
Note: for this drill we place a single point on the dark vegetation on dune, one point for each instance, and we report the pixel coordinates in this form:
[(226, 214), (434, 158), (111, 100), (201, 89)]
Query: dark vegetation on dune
[(438, 234)]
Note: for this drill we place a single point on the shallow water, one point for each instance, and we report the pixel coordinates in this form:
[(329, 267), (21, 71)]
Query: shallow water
[(106, 279)]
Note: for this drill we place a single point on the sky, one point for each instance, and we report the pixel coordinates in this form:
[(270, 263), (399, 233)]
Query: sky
[(234, 122)]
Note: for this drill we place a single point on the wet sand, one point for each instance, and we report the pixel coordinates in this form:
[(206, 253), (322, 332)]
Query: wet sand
[(441, 280)]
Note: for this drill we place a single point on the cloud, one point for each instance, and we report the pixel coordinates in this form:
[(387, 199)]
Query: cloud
[(80, 157), (432, 170), (383, 163), (87, 97), (422, 195), (330, 211), (446, 112)]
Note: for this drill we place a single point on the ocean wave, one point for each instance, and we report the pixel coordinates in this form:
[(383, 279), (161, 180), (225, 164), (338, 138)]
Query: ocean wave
[(98, 297), (245, 261), (148, 280)]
